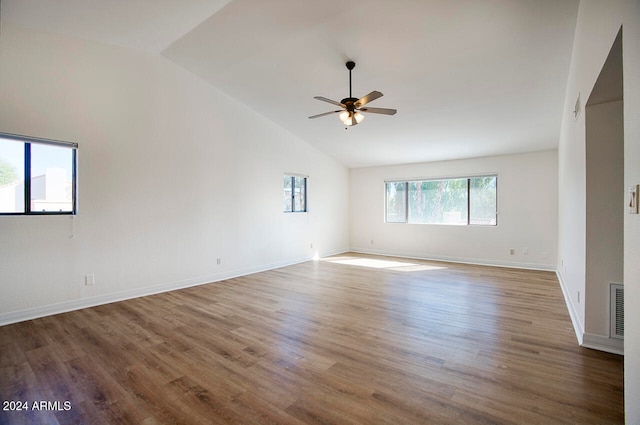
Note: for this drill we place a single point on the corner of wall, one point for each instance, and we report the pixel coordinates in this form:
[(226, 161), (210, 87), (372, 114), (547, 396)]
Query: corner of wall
[(578, 327), (603, 343)]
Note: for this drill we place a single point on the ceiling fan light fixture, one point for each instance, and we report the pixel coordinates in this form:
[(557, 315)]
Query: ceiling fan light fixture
[(345, 117)]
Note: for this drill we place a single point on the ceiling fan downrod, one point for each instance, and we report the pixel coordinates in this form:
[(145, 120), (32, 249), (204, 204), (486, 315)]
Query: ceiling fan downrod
[(350, 101), (350, 65)]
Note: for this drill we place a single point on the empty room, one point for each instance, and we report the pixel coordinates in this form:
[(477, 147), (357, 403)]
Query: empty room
[(303, 212)]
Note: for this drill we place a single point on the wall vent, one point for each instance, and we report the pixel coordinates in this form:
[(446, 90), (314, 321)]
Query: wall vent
[(617, 310)]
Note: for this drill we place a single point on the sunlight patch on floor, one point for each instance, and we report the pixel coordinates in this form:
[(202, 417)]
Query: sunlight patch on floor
[(376, 263)]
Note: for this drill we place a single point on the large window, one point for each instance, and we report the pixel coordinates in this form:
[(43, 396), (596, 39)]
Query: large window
[(37, 176), (459, 201), (295, 193)]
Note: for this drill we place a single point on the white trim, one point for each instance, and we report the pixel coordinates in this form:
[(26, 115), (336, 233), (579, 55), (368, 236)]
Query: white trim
[(439, 178), (462, 260), (603, 343), (306, 176), (573, 312), (38, 140), (78, 304)]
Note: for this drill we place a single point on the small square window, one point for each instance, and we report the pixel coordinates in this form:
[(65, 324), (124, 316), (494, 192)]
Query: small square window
[(37, 176)]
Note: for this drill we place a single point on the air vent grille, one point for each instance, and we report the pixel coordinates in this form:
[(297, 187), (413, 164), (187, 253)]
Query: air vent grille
[(617, 310)]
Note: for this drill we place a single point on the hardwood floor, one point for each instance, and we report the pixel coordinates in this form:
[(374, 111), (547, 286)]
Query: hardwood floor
[(351, 339)]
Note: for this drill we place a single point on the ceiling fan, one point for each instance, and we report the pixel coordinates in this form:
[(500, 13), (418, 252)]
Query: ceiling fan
[(352, 107)]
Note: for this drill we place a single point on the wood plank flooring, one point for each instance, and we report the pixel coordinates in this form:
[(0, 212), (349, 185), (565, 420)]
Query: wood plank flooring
[(351, 339)]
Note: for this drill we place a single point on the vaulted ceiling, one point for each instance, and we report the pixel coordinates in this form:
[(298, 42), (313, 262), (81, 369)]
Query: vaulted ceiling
[(468, 77)]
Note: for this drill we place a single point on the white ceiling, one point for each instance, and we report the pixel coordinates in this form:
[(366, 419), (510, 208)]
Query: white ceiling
[(468, 77)]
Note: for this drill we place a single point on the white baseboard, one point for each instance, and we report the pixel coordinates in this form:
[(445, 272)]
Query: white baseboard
[(587, 340), (603, 343), (573, 311), (462, 260), (77, 304)]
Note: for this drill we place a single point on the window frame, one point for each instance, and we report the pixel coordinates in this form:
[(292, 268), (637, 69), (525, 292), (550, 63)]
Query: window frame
[(407, 200), (28, 141), (292, 199)]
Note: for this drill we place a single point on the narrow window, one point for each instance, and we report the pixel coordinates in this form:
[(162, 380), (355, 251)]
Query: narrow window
[(396, 202), (483, 198), (37, 176), (295, 193)]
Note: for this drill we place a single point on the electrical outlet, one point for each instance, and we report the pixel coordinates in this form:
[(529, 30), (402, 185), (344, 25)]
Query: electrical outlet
[(89, 280), (512, 251), (578, 297), (218, 261), (525, 251)]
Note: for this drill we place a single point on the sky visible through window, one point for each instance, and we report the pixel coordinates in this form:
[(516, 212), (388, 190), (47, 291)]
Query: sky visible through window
[(43, 157), (51, 187)]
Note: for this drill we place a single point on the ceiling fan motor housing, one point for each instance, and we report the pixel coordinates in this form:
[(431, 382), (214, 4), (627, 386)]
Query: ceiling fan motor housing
[(349, 103)]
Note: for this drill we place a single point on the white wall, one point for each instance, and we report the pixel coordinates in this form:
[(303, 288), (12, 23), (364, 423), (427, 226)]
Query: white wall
[(604, 214), (173, 174), (527, 205), (597, 26)]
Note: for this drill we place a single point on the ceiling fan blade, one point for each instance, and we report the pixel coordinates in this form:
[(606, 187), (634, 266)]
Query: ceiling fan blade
[(368, 98), (333, 102), (353, 120), (385, 111), (326, 113)]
